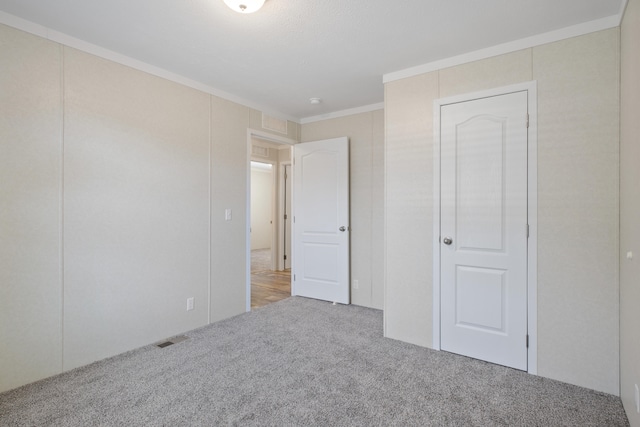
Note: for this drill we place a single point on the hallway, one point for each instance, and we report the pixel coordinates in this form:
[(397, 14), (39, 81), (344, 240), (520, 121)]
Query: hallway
[(267, 286)]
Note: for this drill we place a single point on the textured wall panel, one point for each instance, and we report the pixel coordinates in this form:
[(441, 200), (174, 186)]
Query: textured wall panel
[(30, 188), (630, 211), (578, 137), (229, 122), (409, 208), (136, 208)]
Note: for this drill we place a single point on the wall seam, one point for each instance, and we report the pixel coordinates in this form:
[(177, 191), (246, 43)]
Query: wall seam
[(371, 211), (384, 209), (61, 205), (210, 210), (619, 193)]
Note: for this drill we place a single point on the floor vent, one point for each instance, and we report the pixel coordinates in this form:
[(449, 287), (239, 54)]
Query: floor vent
[(174, 340)]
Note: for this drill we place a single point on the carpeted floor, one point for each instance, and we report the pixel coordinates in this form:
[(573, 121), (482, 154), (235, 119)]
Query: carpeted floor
[(302, 362)]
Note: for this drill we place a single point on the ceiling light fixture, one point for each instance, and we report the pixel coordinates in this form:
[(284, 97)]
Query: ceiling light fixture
[(315, 100), (244, 6)]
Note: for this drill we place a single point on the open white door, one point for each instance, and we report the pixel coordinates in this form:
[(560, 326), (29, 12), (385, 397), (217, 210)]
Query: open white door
[(321, 220), (483, 247)]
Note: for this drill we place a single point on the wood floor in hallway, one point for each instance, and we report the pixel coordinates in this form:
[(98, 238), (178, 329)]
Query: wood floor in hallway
[(267, 286)]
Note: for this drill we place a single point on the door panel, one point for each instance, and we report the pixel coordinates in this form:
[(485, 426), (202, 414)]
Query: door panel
[(319, 185), (321, 262), (321, 220), (475, 284), (479, 174), (484, 220)]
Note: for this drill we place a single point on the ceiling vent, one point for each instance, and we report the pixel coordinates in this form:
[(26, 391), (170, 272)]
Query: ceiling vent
[(256, 150), (276, 125)]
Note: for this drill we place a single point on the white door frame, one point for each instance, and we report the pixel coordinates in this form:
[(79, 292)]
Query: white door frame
[(251, 133), (532, 211), (280, 265)]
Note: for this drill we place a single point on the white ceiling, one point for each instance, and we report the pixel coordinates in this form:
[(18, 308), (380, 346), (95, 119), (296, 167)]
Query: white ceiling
[(293, 50)]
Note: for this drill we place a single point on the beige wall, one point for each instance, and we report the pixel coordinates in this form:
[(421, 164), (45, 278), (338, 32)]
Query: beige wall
[(30, 218), (136, 216), (366, 139), (578, 205), (630, 211), (284, 155), (114, 185), (408, 208), (229, 122), (578, 101)]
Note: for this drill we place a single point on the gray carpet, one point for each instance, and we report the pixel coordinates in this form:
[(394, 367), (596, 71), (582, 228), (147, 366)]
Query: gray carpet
[(302, 362)]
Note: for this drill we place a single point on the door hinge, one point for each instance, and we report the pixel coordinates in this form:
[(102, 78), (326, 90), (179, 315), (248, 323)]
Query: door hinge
[(285, 257), (527, 121), (294, 277), (285, 216), (527, 341), (527, 231)]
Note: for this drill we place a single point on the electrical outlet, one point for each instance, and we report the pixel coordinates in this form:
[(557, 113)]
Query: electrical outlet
[(228, 214), (356, 284), (637, 399), (189, 304)]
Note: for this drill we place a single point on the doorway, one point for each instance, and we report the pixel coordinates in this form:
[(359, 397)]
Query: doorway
[(268, 279), (268, 284), (485, 226)]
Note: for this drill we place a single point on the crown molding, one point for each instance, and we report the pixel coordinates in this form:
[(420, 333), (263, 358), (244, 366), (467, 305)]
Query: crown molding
[(623, 8), (67, 40), (501, 49), (343, 113)]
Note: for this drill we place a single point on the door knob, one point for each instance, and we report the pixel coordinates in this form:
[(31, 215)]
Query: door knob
[(343, 228), (447, 241)]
